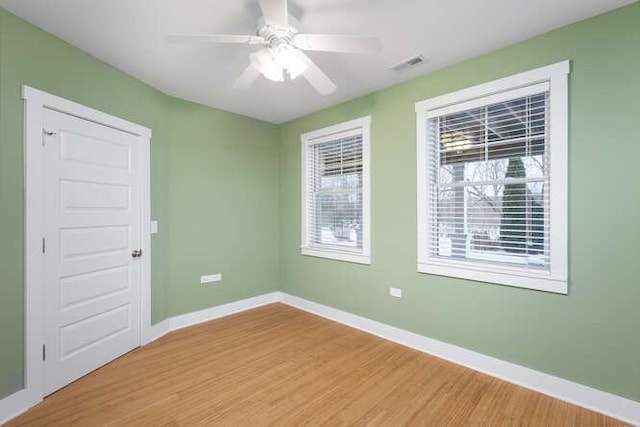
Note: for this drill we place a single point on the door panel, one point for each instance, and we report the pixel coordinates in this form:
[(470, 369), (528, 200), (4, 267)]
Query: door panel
[(93, 208), (90, 196), (91, 150), (78, 336), (84, 241), (86, 287)]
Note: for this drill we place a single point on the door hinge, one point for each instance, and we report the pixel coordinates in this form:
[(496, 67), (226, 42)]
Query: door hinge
[(43, 245), (46, 133), (44, 352)]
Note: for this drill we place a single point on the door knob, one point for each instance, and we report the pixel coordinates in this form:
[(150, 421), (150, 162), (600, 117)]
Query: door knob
[(136, 253)]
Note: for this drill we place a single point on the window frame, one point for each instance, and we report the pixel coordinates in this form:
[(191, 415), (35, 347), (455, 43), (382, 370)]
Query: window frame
[(308, 140), (555, 278)]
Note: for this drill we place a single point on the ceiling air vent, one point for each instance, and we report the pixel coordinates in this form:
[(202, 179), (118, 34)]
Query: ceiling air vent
[(412, 62)]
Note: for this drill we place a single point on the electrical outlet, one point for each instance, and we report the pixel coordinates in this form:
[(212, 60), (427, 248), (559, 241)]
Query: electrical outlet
[(395, 292), (211, 278)]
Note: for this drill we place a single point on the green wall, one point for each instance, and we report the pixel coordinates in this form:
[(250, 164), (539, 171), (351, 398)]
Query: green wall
[(592, 335), (223, 215), (214, 184)]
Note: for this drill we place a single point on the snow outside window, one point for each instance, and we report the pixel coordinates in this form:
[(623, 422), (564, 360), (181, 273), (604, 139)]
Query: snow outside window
[(492, 181), (336, 192)]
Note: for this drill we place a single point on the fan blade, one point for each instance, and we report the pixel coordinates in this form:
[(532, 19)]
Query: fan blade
[(246, 79), (337, 43), (214, 38), (275, 12), (315, 76)]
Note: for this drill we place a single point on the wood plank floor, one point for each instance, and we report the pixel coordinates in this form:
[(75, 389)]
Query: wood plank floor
[(276, 365)]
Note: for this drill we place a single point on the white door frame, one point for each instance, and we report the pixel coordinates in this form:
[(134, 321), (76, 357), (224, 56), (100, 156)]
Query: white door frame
[(36, 102)]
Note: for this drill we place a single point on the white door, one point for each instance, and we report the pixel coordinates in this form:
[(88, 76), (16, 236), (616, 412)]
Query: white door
[(93, 212)]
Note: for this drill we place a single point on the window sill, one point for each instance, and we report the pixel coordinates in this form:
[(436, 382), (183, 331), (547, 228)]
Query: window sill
[(337, 255), (517, 277)]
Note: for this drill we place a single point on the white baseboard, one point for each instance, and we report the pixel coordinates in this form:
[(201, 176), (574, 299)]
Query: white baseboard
[(578, 394), (606, 403), (16, 404), (190, 319)]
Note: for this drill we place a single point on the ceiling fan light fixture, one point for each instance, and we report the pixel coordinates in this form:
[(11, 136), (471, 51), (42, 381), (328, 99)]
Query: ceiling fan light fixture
[(286, 57), (264, 61), (296, 70), (274, 73), (283, 54), (275, 76)]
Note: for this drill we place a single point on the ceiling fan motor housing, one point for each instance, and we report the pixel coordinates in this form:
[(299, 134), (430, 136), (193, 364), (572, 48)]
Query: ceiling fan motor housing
[(275, 35)]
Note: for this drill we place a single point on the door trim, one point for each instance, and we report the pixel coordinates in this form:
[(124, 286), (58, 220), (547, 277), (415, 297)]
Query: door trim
[(35, 104)]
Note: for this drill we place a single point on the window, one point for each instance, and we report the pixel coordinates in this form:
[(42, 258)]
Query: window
[(492, 181), (335, 192)]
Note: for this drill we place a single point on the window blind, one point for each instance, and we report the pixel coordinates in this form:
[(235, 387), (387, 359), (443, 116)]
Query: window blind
[(334, 184), (488, 167)]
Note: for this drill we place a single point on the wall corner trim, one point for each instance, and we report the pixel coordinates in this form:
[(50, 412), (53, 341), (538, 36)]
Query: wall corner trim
[(605, 403)]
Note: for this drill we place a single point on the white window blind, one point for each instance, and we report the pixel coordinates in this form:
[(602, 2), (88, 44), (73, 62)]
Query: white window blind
[(336, 187), (334, 195), (491, 183)]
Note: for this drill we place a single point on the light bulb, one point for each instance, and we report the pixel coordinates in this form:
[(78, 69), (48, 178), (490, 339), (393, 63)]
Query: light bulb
[(295, 70), (286, 56), (263, 60), (274, 73)]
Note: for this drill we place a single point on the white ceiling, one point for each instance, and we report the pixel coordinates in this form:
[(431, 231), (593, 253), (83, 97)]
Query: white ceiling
[(129, 34)]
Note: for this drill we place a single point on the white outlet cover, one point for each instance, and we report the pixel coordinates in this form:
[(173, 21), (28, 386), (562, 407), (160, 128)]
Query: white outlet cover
[(395, 292), (154, 227), (211, 278)]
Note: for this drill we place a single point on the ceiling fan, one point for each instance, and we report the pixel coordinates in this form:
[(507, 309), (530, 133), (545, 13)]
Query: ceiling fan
[(282, 44)]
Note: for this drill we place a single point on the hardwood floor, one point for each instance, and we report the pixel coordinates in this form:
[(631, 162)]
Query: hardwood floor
[(276, 365)]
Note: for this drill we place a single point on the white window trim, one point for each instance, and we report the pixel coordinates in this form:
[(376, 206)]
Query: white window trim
[(363, 126), (554, 280)]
